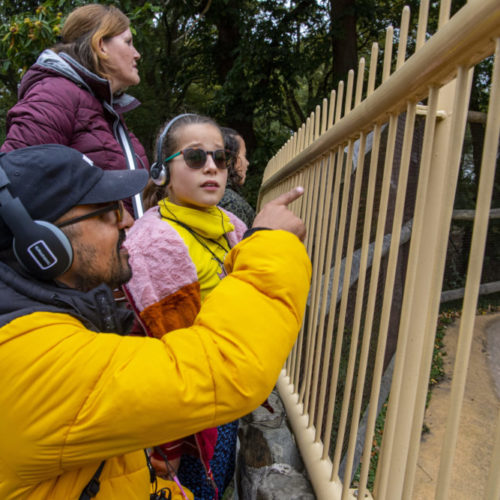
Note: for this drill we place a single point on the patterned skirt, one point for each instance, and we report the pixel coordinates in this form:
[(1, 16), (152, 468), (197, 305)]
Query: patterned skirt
[(192, 474)]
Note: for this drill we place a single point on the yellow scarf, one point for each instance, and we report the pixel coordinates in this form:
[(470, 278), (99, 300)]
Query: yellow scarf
[(203, 233)]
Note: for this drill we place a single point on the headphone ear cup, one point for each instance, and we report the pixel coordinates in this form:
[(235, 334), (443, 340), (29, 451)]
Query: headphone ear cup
[(39, 246), (159, 173), (43, 250)]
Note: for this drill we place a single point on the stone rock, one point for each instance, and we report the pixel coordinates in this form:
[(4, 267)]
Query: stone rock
[(269, 464), (275, 482)]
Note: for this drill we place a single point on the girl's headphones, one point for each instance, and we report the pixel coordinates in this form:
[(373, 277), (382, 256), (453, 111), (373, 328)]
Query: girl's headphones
[(159, 171)]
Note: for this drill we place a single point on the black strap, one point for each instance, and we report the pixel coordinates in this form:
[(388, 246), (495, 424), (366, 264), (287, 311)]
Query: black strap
[(92, 488), (163, 492)]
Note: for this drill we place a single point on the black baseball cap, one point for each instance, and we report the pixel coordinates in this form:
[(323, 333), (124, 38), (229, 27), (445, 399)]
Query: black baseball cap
[(50, 179)]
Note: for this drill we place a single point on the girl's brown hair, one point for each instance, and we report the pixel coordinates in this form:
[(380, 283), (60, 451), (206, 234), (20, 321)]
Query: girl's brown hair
[(232, 145), (152, 193), (84, 28)]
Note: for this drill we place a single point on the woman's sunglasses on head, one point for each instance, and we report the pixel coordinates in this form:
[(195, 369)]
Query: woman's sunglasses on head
[(197, 158)]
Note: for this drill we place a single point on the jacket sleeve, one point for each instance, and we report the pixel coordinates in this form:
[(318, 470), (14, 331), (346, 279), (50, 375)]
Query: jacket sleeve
[(227, 363), (42, 118), (82, 396)]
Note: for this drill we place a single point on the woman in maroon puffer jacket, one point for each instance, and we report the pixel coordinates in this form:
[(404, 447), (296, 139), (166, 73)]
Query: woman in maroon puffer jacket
[(74, 93)]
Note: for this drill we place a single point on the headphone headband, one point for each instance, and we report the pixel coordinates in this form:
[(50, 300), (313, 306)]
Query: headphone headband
[(159, 171)]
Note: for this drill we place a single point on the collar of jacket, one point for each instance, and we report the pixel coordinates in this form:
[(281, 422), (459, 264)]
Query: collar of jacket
[(21, 295)]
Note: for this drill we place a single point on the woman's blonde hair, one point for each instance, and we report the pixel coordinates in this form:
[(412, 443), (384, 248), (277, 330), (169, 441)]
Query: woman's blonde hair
[(84, 28)]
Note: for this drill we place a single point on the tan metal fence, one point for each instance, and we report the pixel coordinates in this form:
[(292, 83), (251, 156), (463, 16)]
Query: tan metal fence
[(380, 167)]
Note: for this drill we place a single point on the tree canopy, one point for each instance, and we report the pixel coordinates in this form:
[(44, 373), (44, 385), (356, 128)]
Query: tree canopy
[(258, 66)]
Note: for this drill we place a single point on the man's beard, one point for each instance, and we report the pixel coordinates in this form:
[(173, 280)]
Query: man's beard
[(118, 270)]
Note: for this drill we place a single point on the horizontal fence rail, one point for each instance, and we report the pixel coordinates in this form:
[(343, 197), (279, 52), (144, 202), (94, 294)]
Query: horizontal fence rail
[(380, 162)]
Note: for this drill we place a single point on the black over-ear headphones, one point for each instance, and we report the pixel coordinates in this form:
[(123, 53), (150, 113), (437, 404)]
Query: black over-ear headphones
[(159, 171), (40, 247)]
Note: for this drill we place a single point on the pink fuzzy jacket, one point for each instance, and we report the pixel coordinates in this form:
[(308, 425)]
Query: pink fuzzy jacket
[(165, 292)]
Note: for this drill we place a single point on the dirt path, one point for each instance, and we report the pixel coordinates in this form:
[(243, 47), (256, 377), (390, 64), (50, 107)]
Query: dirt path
[(478, 420)]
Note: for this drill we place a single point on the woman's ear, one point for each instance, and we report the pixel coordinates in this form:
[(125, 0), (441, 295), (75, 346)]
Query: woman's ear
[(102, 47)]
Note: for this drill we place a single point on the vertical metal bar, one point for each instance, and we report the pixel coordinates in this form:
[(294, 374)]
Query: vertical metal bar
[(382, 214), (343, 308), (297, 349), (373, 70), (311, 335), (307, 133), (445, 180), (329, 329), (348, 94), (347, 272), (386, 69), (474, 268), (324, 115), (317, 124), (320, 266), (359, 82), (340, 97), (331, 109), (444, 12), (334, 182), (314, 303), (392, 460), (312, 125), (403, 37), (337, 270), (423, 14), (345, 200), (305, 175), (386, 306)]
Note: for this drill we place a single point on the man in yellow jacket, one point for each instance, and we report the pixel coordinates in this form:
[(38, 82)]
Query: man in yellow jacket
[(78, 406)]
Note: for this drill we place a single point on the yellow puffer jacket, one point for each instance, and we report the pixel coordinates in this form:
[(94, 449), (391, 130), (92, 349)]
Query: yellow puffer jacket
[(71, 398)]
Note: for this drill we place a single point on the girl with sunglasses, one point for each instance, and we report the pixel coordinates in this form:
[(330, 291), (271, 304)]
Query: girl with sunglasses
[(177, 252)]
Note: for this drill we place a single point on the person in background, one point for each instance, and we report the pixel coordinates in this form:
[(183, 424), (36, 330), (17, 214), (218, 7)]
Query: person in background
[(232, 199), (77, 406), (177, 251), (75, 93)]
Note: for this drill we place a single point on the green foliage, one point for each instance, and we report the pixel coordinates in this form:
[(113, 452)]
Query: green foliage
[(23, 36), (260, 67)]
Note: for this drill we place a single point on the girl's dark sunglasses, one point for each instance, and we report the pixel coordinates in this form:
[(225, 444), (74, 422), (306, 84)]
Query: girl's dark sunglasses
[(116, 206), (196, 158)]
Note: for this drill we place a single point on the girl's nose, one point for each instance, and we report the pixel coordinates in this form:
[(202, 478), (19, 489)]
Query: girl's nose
[(210, 164)]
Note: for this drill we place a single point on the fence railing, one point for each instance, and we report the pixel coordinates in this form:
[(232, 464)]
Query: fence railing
[(380, 166)]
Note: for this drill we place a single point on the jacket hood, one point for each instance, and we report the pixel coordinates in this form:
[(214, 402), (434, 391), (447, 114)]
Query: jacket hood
[(50, 63), (96, 309)]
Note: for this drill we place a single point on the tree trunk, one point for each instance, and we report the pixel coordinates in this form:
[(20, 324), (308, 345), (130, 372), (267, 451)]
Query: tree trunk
[(239, 112), (344, 39)]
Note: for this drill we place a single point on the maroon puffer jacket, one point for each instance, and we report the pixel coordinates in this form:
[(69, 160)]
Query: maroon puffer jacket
[(62, 102)]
